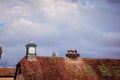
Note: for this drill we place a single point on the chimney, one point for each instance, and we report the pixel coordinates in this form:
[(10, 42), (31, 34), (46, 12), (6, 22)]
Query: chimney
[(0, 52), (72, 53)]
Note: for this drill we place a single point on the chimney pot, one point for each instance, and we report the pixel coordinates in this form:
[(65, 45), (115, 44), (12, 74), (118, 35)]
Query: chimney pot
[(72, 53)]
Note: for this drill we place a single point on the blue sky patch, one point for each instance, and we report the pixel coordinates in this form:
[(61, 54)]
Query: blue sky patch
[(2, 24)]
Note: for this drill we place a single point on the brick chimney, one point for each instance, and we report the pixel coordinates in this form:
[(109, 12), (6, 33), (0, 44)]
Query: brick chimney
[(0, 52), (72, 53)]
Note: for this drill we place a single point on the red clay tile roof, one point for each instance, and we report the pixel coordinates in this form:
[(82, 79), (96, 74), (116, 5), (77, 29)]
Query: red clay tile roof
[(60, 68), (7, 72)]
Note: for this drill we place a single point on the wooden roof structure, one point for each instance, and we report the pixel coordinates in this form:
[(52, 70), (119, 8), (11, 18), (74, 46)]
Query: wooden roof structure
[(64, 68)]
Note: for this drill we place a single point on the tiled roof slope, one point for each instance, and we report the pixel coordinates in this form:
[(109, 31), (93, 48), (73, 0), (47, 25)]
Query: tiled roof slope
[(60, 68), (7, 72)]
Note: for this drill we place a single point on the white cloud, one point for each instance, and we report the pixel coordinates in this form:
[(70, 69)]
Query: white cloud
[(20, 29), (18, 11), (57, 9)]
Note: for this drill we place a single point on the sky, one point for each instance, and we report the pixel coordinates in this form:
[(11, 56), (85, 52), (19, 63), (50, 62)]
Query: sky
[(92, 27)]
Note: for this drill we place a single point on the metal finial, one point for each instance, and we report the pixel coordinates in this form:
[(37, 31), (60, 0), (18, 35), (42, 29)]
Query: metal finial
[(31, 41)]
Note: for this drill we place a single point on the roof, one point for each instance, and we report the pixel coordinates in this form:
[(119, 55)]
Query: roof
[(7, 72), (31, 44), (62, 68)]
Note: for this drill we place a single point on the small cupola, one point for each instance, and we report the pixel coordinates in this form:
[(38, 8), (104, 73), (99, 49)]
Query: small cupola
[(72, 53), (31, 51)]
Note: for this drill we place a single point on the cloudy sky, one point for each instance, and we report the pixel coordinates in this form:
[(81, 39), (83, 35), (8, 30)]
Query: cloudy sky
[(90, 26)]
